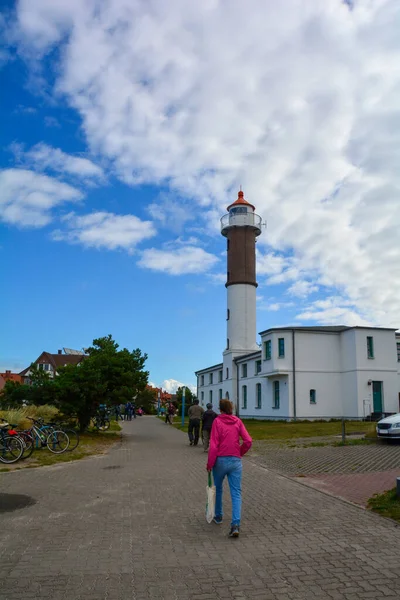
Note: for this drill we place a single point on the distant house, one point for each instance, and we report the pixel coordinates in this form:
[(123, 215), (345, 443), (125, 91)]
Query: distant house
[(2, 383), (164, 396), (50, 363), (8, 376)]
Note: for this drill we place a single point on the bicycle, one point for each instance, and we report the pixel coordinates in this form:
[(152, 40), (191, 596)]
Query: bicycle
[(23, 436), (71, 433), (53, 439), (11, 448)]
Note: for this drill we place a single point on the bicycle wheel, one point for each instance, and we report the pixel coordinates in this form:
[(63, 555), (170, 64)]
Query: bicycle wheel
[(73, 438), (57, 442), (11, 449), (28, 444)]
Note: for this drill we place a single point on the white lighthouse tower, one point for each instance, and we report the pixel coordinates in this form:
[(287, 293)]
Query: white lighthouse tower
[(241, 226)]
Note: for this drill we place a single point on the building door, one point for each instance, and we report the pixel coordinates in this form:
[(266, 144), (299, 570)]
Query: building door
[(377, 396)]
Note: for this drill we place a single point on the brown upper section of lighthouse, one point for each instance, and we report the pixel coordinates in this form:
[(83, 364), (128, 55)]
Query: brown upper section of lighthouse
[(241, 247)]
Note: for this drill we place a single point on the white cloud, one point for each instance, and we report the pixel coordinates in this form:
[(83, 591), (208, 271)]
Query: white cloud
[(52, 122), (44, 157), (182, 260), (171, 385), (302, 288), (302, 109), (334, 310), (27, 198), (105, 230)]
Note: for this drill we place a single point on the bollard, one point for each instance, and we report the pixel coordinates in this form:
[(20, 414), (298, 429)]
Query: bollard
[(343, 431), (398, 487)]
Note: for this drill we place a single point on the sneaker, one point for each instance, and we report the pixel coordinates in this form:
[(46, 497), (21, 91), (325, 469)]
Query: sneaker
[(234, 532), (191, 443), (217, 520)]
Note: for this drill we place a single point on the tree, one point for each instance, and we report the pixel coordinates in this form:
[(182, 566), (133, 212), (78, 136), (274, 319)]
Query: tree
[(13, 394), (147, 400), (189, 398), (43, 389), (106, 376)]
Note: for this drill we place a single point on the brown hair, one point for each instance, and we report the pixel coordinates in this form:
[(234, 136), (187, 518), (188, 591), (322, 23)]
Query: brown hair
[(225, 406)]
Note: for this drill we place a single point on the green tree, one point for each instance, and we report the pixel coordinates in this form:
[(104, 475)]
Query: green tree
[(43, 388), (147, 400), (106, 376), (13, 394), (189, 398)]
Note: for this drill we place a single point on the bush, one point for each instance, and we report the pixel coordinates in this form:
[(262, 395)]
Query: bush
[(19, 416)]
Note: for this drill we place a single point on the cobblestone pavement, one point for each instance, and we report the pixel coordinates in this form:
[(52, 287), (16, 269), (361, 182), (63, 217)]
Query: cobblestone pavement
[(130, 525), (328, 459), (357, 488)]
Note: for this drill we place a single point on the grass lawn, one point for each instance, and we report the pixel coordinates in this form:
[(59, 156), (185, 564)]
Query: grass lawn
[(386, 504), (279, 430), (90, 443)]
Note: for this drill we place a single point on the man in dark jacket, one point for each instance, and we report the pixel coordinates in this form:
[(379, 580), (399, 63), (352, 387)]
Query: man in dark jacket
[(208, 420), (195, 413)]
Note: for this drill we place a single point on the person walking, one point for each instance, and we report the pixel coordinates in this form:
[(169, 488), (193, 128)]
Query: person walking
[(171, 413), (195, 413), (117, 412), (128, 411), (207, 421), (225, 459)]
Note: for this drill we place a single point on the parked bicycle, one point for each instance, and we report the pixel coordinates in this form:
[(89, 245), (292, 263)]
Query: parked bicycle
[(55, 440), (100, 422), (11, 447), (23, 436)]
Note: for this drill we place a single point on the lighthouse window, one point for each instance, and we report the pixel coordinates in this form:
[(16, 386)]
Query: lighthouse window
[(267, 350), (227, 372), (227, 244), (244, 370), (276, 395), (238, 210), (227, 314), (258, 395), (244, 396)]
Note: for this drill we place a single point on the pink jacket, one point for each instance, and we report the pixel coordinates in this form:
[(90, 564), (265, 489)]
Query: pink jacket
[(225, 434)]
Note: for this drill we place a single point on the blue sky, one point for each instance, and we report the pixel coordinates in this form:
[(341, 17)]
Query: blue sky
[(124, 135)]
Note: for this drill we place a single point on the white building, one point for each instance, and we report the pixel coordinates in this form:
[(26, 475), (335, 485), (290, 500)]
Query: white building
[(295, 372)]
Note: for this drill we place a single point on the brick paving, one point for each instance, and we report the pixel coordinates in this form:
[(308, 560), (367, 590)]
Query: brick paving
[(130, 525), (328, 459), (357, 488)]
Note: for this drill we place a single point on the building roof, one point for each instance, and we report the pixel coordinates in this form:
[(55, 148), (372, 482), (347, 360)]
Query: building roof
[(248, 356), (8, 376), (57, 360), (325, 328), (220, 365), (240, 202)]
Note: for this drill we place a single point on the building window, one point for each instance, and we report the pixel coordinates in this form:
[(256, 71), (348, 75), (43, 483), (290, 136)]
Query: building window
[(258, 367), (313, 397), (370, 347), (202, 380), (227, 314), (244, 370), (227, 395), (281, 347), (258, 395), (202, 396), (398, 351), (276, 403), (227, 343), (244, 396), (267, 350), (211, 378), (227, 372), (220, 375), (210, 396), (220, 393)]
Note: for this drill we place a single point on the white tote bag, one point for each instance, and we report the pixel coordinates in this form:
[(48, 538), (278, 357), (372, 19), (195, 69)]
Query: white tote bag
[(210, 506)]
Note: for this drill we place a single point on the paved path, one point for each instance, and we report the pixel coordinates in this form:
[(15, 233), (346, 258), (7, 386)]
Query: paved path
[(131, 526)]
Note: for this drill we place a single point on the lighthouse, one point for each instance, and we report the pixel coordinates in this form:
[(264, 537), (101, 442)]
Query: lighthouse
[(241, 226)]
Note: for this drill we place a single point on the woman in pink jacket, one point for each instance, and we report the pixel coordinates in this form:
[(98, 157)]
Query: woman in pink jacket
[(225, 458)]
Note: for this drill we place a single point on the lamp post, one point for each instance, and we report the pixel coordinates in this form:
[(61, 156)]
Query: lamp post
[(158, 402), (183, 406)]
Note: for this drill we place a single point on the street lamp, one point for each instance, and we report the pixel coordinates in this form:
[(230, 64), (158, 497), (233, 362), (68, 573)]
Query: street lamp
[(158, 402), (183, 406)]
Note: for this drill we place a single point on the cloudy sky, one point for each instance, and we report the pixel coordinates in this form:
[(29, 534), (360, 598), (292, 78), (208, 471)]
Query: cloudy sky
[(127, 128)]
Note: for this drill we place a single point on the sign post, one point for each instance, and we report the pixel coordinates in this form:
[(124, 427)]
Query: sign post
[(183, 406)]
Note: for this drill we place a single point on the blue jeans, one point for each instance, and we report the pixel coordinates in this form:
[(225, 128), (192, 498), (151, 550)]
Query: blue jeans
[(232, 467)]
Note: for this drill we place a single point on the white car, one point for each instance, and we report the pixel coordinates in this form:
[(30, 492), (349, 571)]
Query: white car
[(389, 427)]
